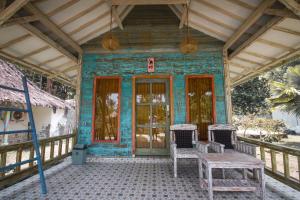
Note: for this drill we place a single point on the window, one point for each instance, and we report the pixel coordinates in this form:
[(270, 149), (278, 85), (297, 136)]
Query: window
[(106, 109), (200, 102)]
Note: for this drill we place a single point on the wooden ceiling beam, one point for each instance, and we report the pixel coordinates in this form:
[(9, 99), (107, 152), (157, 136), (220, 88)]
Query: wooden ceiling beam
[(248, 61), (275, 44), (242, 4), (238, 65), (147, 2), (282, 13), (15, 41), (254, 16), (255, 36), (293, 5), (35, 32), (52, 60), (19, 20), (9, 11), (53, 27), (259, 55), (116, 17), (71, 68), (62, 7), (183, 16), (285, 30)]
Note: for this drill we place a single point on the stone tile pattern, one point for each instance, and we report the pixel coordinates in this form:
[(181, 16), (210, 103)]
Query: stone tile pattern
[(125, 178), (207, 61)]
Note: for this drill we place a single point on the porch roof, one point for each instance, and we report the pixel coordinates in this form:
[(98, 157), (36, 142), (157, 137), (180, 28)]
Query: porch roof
[(47, 35), (131, 178)]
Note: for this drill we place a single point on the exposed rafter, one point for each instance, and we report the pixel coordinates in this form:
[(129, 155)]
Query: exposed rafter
[(51, 60), (275, 44), (11, 10), (147, 2), (238, 65), (116, 17), (39, 50), (183, 16), (285, 30), (255, 36), (259, 55), (52, 26), (256, 14), (62, 7), (248, 61), (35, 32), (19, 20), (293, 5), (15, 41), (242, 4), (281, 13)]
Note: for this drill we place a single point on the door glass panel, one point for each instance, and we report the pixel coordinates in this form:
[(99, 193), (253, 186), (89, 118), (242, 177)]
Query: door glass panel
[(158, 92), (142, 137), (159, 138), (159, 114), (143, 93), (143, 114), (200, 104)]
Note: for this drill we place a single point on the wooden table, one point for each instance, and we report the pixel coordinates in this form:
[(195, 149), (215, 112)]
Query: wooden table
[(233, 160)]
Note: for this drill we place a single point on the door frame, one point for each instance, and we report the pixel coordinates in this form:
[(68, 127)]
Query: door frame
[(187, 99), (134, 78)]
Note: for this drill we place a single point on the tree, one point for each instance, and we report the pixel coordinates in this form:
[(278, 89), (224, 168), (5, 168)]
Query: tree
[(286, 94), (249, 97)]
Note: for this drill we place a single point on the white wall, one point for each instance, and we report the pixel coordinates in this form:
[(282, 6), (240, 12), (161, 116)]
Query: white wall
[(290, 120)]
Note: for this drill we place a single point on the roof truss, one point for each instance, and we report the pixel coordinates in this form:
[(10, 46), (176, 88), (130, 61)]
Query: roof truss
[(8, 12)]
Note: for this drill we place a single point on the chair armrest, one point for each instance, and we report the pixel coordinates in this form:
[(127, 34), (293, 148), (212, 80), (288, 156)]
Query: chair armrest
[(202, 147), (245, 147), (216, 147)]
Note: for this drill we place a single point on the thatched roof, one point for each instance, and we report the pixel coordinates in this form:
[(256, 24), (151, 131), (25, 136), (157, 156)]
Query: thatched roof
[(12, 77)]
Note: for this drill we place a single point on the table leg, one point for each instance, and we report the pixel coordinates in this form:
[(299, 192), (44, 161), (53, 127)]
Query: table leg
[(200, 172), (262, 183), (210, 184)]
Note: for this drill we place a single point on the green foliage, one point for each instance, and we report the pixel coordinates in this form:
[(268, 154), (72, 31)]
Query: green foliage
[(249, 98), (286, 94)]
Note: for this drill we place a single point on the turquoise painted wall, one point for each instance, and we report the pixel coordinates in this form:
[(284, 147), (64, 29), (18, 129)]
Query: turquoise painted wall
[(127, 65)]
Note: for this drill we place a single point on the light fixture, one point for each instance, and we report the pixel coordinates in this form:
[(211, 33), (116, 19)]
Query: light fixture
[(109, 41), (188, 44)]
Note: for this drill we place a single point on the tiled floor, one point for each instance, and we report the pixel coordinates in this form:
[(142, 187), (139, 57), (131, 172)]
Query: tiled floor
[(128, 178)]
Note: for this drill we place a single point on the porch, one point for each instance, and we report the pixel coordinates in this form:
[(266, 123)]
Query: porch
[(131, 178)]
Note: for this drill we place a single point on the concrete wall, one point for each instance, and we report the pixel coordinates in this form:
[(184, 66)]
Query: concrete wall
[(128, 65)]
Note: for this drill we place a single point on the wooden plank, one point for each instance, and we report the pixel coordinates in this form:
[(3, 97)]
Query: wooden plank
[(3, 162), (242, 4), (31, 155), (35, 32), (258, 12), (183, 16), (259, 55), (275, 44), (44, 19), (255, 36), (248, 61), (67, 146), (74, 67), (11, 10), (60, 148), (39, 50), (51, 60), (281, 13), (62, 7), (273, 161), (15, 41), (147, 2), (19, 158), (262, 154), (293, 5), (52, 148), (286, 165), (116, 17), (238, 65)]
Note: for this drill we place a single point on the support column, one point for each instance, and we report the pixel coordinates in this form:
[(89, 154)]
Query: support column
[(227, 87), (78, 95)]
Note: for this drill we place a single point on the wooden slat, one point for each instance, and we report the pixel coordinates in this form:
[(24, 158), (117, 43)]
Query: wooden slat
[(248, 61), (286, 165), (19, 158), (273, 161), (242, 4), (259, 55), (67, 146), (68, 69), (147, 2), (19, 20), (51, 60), (275, 44), (15, 41), (3, 162), (262, 154), (39, 50), (43, 151), (255, 36), (44, 19), (31, 156), (258, 12), (35, 32), (60, 147), (239, 65), (285, 30), (62, 7), (52, 143), (11, 10)]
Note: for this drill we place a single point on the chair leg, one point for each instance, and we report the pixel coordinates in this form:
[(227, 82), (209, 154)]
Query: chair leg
[(175, 167)]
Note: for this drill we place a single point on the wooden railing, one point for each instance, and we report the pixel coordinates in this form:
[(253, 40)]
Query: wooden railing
[(52, 151), (281, 163)]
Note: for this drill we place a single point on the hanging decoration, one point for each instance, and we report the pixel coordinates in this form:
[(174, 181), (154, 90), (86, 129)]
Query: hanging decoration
[(188, 44), (109, 41)]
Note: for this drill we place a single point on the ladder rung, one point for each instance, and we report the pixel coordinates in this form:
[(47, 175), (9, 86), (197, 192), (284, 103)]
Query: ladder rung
[(11, 166), (11, 88), (16, 131), (13, 109)]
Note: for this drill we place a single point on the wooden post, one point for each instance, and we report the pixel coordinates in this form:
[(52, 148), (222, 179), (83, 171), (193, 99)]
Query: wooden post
[(60, 148), (19, 158), (43, 148), (31, 155), (52, 146), (78, 96), (273, 161), (286, 165), (227, 87), (3, 162), (298, 158), (262, 154), (67, 146)]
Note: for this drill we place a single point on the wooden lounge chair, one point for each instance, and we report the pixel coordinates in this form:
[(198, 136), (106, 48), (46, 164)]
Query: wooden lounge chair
[(184, 143)]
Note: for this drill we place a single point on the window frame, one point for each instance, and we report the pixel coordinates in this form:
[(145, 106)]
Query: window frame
[(116, 141)]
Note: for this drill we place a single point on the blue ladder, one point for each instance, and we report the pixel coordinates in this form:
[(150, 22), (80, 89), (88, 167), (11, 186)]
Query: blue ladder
[(33, 134)]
